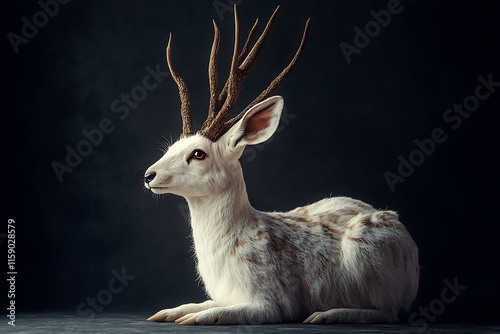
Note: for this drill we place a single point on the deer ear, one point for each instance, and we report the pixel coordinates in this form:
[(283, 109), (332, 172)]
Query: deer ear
[(258, 124)]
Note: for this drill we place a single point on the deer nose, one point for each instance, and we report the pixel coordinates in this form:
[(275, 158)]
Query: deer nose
[(149, 177)]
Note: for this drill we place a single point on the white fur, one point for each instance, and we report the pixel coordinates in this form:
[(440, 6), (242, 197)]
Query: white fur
[(337, 260)]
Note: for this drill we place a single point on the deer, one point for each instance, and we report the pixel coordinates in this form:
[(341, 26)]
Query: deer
[(338, 260)]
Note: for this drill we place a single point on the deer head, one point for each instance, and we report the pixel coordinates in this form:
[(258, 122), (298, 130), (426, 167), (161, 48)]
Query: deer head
[(206, 162)]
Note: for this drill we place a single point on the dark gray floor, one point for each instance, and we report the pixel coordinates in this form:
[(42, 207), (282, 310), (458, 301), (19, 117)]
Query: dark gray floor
[(135, 323)]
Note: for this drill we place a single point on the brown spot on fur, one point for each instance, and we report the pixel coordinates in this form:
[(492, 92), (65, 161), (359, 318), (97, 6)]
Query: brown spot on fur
[(260, 234), (307, 232), (275, 244), (340, 217), (347, 212), (383, 223), (304, 220), (238, 243), (331, 232), (326, 228), (358, 240), (253, 258), (329, 217), (303, 210)]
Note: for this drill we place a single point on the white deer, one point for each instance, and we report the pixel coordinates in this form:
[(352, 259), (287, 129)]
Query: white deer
[(337, 260)]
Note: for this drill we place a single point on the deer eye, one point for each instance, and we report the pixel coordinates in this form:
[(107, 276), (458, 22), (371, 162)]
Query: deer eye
[(198, 155)]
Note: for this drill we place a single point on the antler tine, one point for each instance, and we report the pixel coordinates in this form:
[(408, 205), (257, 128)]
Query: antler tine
[(233, 81), (249, 61), (276, 83), (213, 78), (187, 126), (247, 42), (223, 93), (234, 61)]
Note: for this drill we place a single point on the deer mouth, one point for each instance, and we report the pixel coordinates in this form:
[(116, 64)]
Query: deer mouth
[(150, 187), (158, 190)]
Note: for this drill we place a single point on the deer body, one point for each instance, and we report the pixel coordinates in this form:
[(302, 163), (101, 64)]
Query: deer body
[(337, 260), (336, 253)]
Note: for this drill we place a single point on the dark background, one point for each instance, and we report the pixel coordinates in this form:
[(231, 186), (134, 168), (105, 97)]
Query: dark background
[(351, 123)]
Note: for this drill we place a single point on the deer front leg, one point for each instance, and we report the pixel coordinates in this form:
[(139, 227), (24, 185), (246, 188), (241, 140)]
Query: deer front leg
[(172, 314), (231, 315)]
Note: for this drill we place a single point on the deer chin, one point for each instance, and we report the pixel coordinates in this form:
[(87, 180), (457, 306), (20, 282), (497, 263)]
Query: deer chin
[(159, 190)]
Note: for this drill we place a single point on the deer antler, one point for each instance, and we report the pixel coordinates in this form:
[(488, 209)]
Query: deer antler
[(223, 102), (187, 126), (215, 126)]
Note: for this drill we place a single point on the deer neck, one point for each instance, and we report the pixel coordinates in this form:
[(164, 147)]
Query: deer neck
[(222, 215)]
